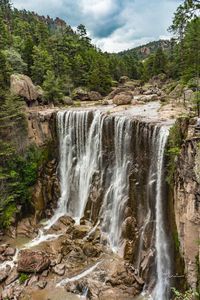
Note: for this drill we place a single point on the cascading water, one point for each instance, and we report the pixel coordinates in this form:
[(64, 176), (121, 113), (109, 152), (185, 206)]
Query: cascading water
[(117, 194), (84, 156), (79, 159), (161, 290)]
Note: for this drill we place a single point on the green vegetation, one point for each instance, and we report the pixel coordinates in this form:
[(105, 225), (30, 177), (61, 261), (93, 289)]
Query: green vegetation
[(23, 277), (59, 59), (188, 295), (49, 51), (176, 136), (18, 163)]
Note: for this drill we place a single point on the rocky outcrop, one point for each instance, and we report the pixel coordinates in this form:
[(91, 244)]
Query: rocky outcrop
[(46, 191), (187, 206), (95, 96), (123, 99), (22, 85), (82, 94), (41, 126), (32, 261)]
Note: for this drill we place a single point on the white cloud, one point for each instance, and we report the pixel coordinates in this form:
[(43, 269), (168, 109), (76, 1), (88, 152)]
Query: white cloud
[(114, 25), (97, 8)]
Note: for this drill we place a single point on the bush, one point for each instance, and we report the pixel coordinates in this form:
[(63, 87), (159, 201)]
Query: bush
[(22, 278)]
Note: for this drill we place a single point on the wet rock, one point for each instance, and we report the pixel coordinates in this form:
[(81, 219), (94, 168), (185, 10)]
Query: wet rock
[(30, 261), (80, 231), (129, 250), (38, 200), (42, 284), (123, 99), (129, 228), (91, 250), (59, 269)]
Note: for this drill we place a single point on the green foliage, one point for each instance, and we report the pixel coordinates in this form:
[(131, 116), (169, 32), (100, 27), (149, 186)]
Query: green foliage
[(188, 295), (23, 277), (15, 61), (176, 240), (173, 150), (53, 88), (42, 63), (18, 164)]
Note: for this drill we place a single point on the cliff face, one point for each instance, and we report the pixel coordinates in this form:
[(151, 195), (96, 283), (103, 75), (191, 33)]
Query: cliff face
[(42, 133), (41, 126), (187, 205)]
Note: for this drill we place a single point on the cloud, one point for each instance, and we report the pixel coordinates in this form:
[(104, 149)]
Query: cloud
[(114, 25)]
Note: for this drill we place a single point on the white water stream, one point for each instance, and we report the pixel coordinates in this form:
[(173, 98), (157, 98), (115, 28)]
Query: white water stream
[(163, 260)]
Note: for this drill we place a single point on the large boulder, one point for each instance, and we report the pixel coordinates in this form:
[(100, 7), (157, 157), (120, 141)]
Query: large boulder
[(123, 99), (30, 261), (22, 85), (80, 94), (115, 92), (95, 96)]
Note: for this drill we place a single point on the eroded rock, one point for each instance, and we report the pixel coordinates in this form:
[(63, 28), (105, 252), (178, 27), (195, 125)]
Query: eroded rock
[(22, 85), (30, 261)]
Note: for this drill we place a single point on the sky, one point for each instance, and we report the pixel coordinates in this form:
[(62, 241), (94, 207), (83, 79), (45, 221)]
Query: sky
[(113, 25)]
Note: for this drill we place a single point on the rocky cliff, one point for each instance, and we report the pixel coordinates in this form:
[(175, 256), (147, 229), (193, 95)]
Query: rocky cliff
[(187, 204)]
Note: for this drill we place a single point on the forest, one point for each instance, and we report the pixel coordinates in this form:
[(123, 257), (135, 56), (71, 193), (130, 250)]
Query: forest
[(59, 59)]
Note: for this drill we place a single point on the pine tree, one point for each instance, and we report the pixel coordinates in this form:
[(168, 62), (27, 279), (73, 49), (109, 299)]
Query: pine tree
[(53, 88)]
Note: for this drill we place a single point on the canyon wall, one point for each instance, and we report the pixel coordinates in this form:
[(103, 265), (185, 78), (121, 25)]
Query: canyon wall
[(187, 204)]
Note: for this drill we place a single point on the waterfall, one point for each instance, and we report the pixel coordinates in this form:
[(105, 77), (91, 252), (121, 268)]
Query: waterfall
[(83, 156), (162, 254), (79, 160), (117, 194)]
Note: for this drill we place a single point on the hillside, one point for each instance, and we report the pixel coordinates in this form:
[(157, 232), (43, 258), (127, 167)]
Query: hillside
[(144, 51)]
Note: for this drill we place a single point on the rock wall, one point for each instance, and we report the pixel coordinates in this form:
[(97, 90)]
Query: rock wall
[(187, 205), (41, 126), (42, 133)]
